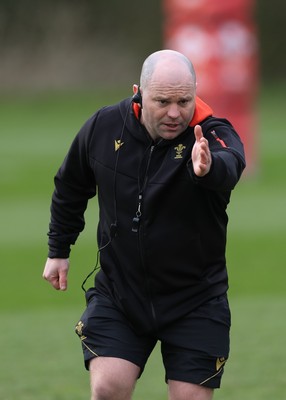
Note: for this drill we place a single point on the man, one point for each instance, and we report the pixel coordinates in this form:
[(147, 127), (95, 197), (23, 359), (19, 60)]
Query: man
[(163, 169)]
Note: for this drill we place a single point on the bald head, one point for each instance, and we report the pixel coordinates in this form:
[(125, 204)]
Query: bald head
[(169, 61), (168, 94)]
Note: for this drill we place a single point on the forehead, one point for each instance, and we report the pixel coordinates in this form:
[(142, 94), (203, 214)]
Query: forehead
[(167, 90), (171, 79)]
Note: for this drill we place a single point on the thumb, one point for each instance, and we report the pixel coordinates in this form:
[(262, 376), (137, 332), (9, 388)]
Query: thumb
[(198, 133)]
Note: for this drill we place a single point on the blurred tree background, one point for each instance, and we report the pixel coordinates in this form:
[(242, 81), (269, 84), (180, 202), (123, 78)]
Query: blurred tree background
[(67, 43), (64, 43)]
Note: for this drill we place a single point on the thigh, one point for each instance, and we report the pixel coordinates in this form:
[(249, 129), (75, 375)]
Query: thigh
[(196, 347), (183, 390), (104, 331)]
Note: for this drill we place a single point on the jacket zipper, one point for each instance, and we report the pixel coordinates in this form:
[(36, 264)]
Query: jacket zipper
[(136, 228)]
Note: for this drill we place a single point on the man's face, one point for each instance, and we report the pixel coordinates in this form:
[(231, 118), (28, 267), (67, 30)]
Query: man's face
[(168, 103)]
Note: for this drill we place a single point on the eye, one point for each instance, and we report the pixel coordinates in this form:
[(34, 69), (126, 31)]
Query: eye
[(162, 102), (184, 102)]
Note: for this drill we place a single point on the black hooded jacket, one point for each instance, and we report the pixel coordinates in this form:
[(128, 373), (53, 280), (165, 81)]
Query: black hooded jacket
[(162, 229)]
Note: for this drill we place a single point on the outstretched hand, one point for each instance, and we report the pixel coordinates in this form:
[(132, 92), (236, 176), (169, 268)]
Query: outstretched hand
[(56, 271), (201, 155)]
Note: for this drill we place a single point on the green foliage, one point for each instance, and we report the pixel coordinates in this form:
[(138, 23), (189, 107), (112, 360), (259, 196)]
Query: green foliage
[(58, 42), (67, 43), (40, 356), (270, 17)]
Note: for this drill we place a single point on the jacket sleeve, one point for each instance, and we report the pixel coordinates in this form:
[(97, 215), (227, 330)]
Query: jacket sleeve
[(228, 159), (74, 186)]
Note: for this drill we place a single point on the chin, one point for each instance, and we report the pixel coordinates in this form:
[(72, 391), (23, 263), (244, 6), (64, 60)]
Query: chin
[(171, 135)]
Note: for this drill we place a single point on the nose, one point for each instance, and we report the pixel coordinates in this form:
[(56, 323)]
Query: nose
[(173, 111)]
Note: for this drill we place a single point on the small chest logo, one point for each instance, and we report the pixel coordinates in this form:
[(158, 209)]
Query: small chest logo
[(179, 151), (117, 144)]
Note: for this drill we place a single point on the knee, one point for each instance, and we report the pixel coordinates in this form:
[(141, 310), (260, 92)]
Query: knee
[(110, 389), (102, 391), (112, 378)]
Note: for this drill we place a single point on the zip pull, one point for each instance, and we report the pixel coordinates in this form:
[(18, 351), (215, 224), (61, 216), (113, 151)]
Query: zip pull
[(136, 219)]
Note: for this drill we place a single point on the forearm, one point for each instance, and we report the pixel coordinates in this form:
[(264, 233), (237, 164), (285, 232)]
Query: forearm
[(67, 221), (74, 186), (225, 172)]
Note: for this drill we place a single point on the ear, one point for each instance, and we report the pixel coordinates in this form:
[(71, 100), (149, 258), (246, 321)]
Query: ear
[(135, 89)]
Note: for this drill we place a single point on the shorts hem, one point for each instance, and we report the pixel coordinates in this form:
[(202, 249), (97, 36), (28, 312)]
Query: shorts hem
[(212, 383), (114, 354)]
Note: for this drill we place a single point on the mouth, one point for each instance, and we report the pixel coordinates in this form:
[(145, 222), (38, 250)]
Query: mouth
[(172, 126)]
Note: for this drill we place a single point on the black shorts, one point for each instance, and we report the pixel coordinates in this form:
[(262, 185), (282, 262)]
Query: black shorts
[(194, 348)]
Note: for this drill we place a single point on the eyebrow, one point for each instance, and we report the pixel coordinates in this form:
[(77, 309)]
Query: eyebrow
[(166, 97)]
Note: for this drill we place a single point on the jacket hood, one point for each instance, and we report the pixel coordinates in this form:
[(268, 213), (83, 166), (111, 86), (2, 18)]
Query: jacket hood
[(202, 111)]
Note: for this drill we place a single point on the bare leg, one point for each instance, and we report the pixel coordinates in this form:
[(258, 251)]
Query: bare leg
[(112, 378), (188, 391)]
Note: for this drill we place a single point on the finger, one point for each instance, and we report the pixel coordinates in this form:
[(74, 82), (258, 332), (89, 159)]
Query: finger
[(198, 133), (63, 280), (54, 281)]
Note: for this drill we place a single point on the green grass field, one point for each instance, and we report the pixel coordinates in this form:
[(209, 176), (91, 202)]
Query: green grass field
[(40, 355)]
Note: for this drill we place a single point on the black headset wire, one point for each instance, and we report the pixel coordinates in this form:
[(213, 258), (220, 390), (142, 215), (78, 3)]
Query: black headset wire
[(113, 226)]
